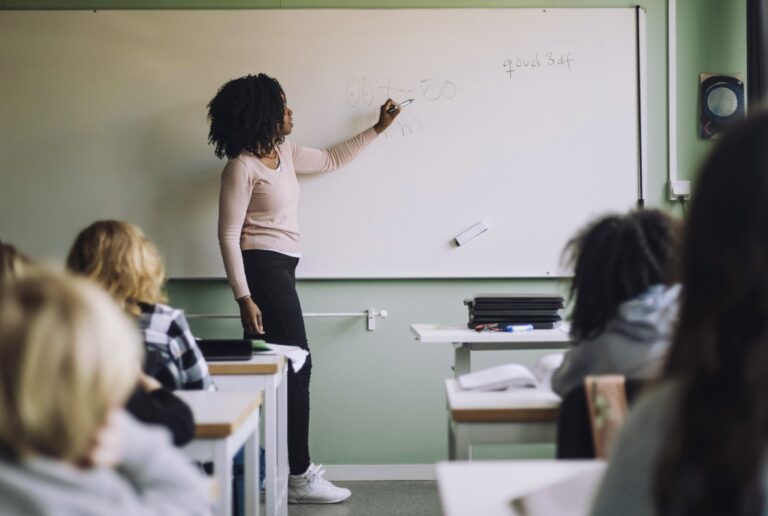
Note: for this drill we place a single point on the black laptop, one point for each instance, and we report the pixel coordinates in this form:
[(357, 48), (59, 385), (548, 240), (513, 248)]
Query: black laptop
[(226, 349)]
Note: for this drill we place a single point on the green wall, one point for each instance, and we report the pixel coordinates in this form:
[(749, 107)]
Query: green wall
[(711, 39), (377, 396)]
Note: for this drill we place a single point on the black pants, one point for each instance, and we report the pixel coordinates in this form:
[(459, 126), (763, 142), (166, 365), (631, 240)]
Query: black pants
[(272, 281)]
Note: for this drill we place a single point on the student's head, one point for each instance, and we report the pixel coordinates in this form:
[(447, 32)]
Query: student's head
[(248, 114), (713, 460), (121, 259), (12, 264), (725, 258), (616, 258), (67, 356)]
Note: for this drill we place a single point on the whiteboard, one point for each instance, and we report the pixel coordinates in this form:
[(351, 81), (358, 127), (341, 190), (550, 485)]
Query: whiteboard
[(525, 119)]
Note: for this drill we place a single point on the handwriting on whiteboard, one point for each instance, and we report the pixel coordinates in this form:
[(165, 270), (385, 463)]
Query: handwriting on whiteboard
[(365, 91), (537, 61), (404, 127)]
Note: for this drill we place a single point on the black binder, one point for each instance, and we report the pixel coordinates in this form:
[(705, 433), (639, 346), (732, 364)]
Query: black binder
[(540, 310)]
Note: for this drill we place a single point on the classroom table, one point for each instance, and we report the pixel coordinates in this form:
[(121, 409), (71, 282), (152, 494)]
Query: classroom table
[(465, 341), (224, 422), (268, 373), (498, 417), (488, 488)]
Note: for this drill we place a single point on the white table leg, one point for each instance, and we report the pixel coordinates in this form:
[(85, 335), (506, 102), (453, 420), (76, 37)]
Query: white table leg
[(462, 443), (462, 362), (451, 440), (222, 470), (270, 444), (282, 445), (251, 480)]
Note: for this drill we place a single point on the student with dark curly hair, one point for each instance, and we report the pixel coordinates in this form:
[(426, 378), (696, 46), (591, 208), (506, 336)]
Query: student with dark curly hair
[(259, 237), (624, 297), (696, 444)]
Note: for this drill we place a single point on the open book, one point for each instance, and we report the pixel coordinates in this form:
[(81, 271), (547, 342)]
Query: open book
[(513, 376)]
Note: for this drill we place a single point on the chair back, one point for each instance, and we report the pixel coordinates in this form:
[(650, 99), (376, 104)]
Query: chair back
[(593, 413), (607, 405)]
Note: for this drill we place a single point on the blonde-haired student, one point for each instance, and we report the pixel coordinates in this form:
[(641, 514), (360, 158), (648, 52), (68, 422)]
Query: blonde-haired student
[(149, 402), (12, 264), (66, 446), (118, 256)]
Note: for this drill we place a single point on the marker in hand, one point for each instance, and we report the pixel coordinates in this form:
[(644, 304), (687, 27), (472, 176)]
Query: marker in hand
[(400, 106)]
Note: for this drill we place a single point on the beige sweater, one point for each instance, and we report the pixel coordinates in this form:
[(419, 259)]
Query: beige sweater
[(258, 206)]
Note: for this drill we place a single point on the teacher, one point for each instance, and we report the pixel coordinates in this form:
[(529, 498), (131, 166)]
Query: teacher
[(260, 241)]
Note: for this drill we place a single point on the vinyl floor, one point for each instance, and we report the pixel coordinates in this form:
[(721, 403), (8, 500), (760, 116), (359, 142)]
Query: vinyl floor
[(379, 498)]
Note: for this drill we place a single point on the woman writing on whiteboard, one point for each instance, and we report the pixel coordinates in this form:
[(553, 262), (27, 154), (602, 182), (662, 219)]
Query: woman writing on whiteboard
[(259, 237)]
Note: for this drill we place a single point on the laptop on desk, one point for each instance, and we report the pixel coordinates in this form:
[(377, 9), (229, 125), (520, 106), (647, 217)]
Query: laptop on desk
[(225, 349)]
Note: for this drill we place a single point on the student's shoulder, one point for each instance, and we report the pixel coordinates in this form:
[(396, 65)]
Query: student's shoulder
[(158, 309), (42, 485), (162, 312), (651, 413)]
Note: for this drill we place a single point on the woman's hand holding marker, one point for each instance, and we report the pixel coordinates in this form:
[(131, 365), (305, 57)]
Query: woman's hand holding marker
[(399, 106), (387, 114)]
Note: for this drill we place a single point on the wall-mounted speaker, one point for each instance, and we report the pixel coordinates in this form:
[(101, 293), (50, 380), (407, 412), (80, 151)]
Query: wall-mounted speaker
[(721, 103)]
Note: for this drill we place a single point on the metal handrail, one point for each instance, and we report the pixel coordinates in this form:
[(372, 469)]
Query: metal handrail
[(371, 314)]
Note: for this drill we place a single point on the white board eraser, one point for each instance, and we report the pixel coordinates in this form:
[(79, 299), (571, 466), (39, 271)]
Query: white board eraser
[(471, 232)]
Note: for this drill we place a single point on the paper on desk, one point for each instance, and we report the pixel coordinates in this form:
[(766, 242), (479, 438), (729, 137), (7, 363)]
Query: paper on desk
[(295, 354), (571, 496), (513, 376)]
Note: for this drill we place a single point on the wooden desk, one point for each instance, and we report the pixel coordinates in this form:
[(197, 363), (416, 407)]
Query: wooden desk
[(465, 340), (494, 417), (488, 488), (224, 422), (266, 373)]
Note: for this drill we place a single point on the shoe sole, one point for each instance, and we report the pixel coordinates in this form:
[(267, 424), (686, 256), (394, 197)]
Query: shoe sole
[(318, 502)]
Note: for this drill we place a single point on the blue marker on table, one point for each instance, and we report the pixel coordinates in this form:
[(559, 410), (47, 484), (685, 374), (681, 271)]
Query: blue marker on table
[(510, 328), (514, 328), (401, 105)]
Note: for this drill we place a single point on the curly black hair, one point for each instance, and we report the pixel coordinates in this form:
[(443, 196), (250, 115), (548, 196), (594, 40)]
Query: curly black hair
[(616, 258), (245, 116)]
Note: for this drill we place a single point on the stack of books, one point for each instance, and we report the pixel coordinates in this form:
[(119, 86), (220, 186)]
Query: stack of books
[(502, 311)]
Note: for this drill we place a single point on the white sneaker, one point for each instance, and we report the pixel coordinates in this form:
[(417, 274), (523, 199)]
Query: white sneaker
[(311, 487)]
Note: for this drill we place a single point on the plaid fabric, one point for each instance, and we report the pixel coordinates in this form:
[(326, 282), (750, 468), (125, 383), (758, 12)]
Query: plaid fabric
[(179, 363)]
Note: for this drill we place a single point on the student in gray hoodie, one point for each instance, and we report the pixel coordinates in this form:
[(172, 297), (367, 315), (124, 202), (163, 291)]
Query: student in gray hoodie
[(69, 358), (624, 296)]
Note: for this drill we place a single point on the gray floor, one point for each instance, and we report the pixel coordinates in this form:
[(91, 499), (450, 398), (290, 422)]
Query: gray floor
[(391, 498)]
